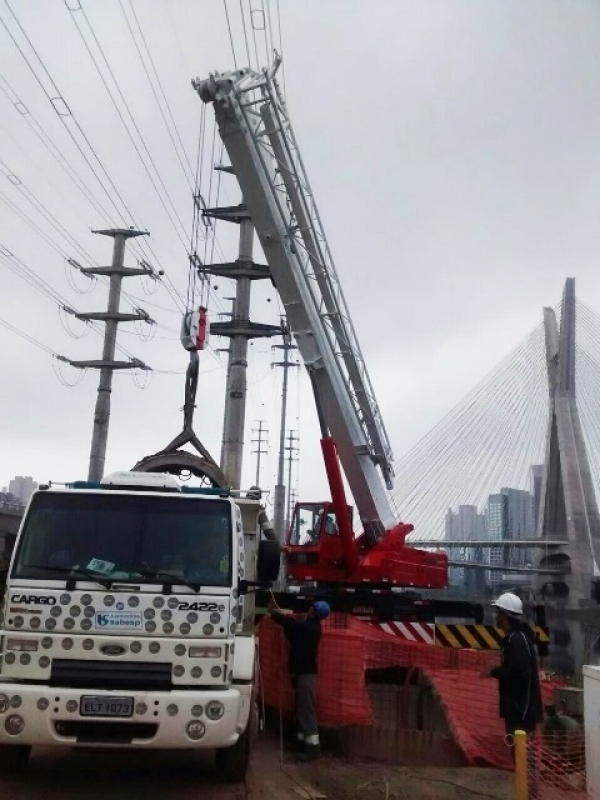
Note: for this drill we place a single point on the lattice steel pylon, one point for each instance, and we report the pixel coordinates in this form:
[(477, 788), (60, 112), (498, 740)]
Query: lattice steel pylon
[(569, 509)]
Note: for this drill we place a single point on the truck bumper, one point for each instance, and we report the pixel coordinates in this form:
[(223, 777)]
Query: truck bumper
[(51, 716)]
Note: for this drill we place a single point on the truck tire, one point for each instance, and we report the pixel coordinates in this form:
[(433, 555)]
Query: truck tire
[(232, 762), (14, 758)]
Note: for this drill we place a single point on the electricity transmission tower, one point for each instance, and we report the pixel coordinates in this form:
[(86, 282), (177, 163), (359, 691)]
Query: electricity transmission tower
[(286, 364), (111, 318), (259, 448), (239, 329), (292, 455)]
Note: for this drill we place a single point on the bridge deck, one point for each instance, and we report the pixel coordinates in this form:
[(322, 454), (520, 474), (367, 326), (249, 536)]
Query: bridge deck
[(443, 544), (503, 568)]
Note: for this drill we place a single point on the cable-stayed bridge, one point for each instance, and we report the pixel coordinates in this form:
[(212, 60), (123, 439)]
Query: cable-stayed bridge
[(538, 409)]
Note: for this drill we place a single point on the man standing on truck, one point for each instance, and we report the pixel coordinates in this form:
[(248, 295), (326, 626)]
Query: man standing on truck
[(264, 523), (518, 679), (304, 636)]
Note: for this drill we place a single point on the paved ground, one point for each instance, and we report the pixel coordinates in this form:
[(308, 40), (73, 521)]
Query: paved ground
[(74, 775)]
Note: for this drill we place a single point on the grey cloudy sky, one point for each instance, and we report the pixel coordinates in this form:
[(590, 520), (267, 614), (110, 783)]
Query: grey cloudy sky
[(453, 150)]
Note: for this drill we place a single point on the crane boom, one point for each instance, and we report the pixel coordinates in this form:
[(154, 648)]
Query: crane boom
[(257, 134)]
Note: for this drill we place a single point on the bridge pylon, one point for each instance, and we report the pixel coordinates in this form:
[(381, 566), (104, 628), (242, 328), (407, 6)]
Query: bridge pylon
[(568, 506)]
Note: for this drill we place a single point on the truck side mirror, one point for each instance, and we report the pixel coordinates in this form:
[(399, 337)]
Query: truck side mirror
[(269, 561)]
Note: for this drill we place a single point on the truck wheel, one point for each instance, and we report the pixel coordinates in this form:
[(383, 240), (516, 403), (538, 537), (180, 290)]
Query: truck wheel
[(232, 762), (13, 758)]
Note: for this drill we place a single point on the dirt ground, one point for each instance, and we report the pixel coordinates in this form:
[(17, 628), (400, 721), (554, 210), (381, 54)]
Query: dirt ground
[(330, 778), (64, 774), (341, 780)]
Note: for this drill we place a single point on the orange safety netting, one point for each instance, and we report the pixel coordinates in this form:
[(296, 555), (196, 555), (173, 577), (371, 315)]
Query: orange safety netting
[(556, 766), (350, 647)]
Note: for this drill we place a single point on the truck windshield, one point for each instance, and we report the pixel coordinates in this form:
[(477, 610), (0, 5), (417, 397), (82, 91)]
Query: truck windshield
[(144, 538)]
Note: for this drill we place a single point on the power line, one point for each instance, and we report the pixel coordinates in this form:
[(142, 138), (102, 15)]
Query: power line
[(254, 35), (67, 168), (44, 211), (126, 126), (16, 265), (62, 109), (164, 96), (245, 32), (30, 339), (230, 34)]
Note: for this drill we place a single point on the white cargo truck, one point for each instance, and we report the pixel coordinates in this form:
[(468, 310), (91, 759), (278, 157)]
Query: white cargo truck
[(128, 620)]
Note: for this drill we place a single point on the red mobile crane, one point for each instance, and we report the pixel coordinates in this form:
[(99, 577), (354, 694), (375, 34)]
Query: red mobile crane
[(257, 133)]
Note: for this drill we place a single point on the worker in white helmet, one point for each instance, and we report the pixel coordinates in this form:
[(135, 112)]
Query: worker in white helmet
[(518, 675)]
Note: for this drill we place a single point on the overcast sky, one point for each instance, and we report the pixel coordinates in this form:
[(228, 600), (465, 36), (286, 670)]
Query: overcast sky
[(453, 149)]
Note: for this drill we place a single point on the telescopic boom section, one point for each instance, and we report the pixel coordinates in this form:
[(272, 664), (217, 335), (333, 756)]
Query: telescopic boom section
[(257, 134)]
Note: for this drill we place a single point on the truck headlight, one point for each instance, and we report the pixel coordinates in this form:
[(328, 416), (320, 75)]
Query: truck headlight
[(214, 710), (3, 703), (195, 729), (204, 652), (23, 645)]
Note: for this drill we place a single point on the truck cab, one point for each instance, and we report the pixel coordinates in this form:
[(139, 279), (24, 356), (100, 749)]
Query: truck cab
[(125, 621)]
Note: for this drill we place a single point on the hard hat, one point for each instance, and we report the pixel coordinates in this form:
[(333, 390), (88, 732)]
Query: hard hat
[(322, 609), (509, 603)]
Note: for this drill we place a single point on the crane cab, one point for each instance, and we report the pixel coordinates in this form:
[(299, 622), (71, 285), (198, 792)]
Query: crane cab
[(315, 547)]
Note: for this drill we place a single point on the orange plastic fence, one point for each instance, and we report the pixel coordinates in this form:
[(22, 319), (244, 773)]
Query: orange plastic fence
[(350, 647), (556, 767)]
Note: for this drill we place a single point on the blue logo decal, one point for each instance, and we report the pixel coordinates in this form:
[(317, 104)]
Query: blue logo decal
[(119, 619)]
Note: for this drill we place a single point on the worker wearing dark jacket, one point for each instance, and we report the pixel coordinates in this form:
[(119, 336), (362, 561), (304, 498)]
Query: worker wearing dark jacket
[(304, 636), (518, 676)]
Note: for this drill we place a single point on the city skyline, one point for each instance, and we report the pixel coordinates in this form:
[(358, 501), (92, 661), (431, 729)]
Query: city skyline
[(510, 514), (20, 487)]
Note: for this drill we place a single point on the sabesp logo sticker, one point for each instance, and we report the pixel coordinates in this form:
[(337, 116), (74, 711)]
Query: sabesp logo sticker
[(125, 620), (33, 599)]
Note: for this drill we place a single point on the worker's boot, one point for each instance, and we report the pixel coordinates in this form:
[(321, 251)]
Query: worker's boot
[(296, 741), (311, 749)]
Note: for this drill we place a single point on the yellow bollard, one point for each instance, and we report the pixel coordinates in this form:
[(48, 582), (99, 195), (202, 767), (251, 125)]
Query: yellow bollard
[(521, 765)]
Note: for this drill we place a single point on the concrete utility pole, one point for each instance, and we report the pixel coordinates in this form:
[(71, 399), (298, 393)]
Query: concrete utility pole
[(239, 330), (259, 451), (291, 449), (280, 506), (107, 365)]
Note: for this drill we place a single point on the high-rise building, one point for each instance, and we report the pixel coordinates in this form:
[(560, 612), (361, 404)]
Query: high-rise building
[(509, 518), (496, 524), (464, 525), (22, 487)]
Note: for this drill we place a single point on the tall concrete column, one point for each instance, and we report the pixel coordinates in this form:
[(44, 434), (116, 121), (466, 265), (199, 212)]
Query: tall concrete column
[(239, 329), (107, 365), (234, 421)]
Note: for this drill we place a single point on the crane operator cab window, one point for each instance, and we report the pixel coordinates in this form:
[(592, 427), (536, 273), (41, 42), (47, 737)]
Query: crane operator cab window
[(310, 521)]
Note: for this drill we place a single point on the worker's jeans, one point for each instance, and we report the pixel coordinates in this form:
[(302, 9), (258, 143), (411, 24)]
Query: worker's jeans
[(306, 707)]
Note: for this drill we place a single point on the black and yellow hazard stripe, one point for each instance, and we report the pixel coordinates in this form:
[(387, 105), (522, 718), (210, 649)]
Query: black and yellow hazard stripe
[(477, 637)]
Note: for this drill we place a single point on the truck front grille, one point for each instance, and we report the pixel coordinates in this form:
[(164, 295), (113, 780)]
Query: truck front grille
[(110, 675)]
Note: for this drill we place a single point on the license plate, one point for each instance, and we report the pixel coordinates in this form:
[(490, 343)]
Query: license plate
[(106, 706)]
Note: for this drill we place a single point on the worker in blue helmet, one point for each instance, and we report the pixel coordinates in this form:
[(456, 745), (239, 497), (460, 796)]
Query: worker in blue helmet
[(304, 636)]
